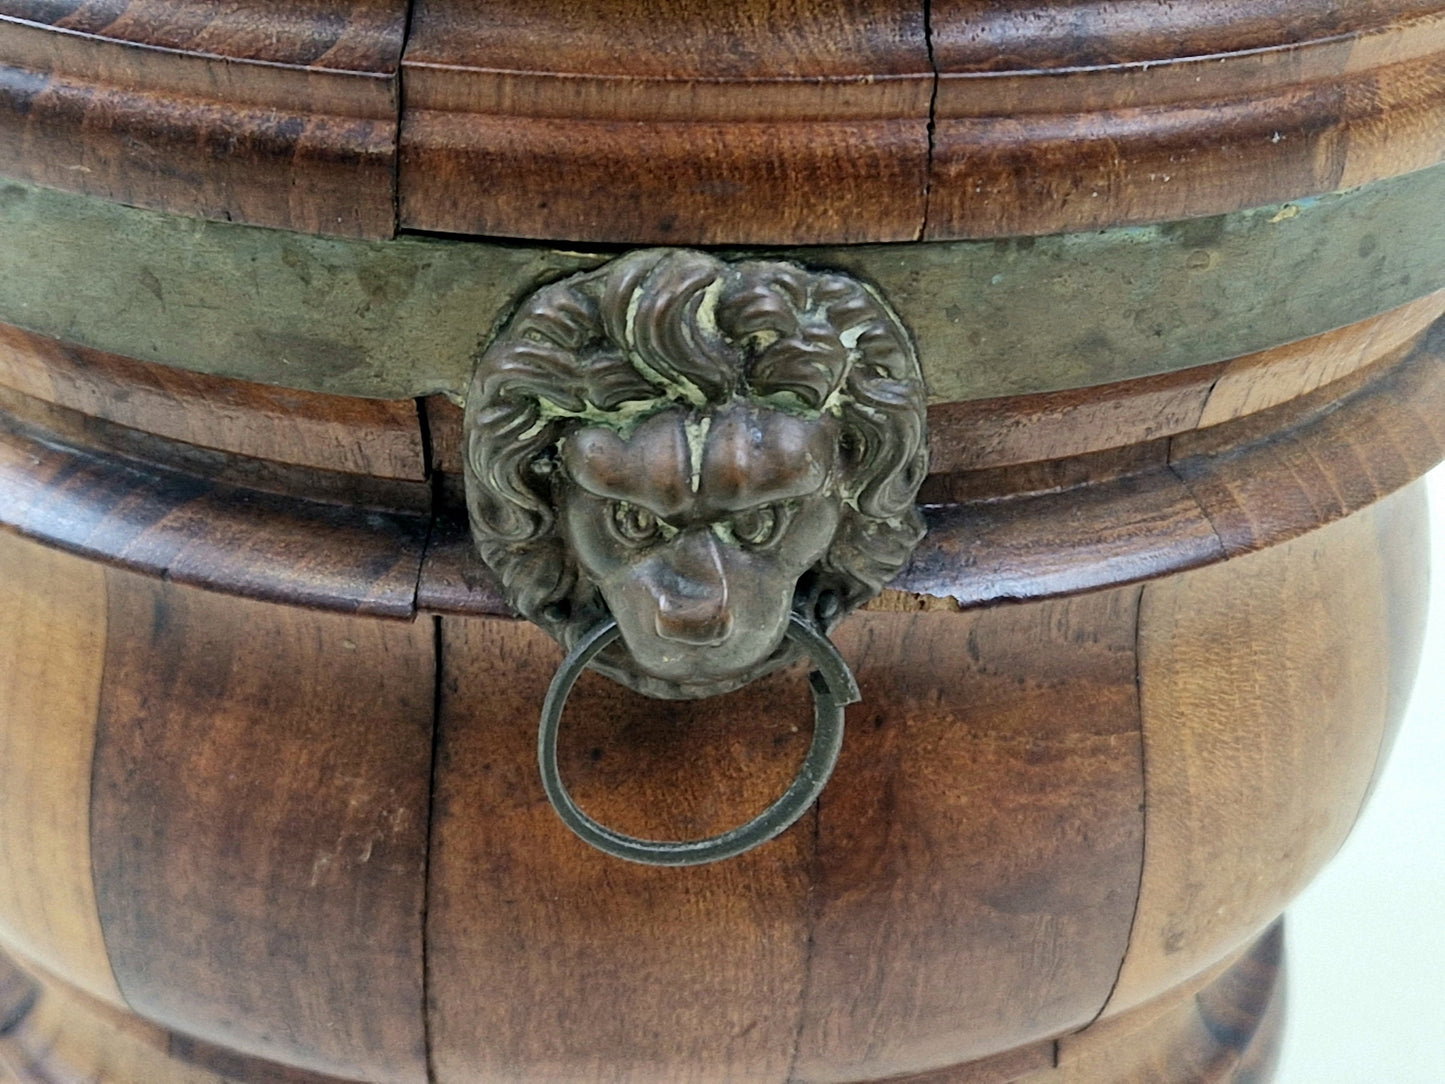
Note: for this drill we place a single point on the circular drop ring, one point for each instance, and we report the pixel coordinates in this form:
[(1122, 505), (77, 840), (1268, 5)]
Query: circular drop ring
[(833, 688)]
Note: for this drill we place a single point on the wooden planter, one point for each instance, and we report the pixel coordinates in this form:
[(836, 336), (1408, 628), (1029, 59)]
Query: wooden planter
[(269, 805)]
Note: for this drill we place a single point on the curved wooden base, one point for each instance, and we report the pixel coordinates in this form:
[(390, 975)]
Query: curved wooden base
[(1225, 1025), (1222, 1026)]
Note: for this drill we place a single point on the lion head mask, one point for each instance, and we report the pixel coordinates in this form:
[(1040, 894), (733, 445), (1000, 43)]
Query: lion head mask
[(696, 448)]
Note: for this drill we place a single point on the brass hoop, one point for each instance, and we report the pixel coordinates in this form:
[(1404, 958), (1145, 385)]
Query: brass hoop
[(833, 688)]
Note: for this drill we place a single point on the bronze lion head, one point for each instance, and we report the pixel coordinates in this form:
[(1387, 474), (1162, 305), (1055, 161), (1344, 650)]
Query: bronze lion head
[(697, 448)]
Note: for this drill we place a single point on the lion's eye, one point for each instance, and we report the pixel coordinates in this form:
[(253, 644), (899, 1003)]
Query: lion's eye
[(757, 526), (634, 524)]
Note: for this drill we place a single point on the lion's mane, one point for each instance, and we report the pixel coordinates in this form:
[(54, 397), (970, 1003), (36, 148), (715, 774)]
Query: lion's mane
[(663, 328)]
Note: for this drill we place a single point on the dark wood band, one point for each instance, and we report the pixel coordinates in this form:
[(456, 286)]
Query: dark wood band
[(1202, 500), (1143, 504), (746, 123), (186, 527)]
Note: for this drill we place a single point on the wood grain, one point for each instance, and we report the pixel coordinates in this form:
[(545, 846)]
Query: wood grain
[(17, 999), (18, 992), (652, 121), (1002, 1068), (1266, 699), (192, 529), (979, 846), (454, 579), (1085, 116), (605, 969), (328, 432), (193, 1053), (280, 115), (1350, 454), (105, 440), (1242, 486), (53, 613), (52, 1032), (1135, 1030), (1261, 381), (641, 121), (259, 825), (986, 434), (616, 123), (1073, 34), (444, 433), (1056, 543), (1216, 1027), (604, 981)]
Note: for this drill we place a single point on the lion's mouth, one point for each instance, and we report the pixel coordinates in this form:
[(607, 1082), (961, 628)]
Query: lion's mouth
[(618, 663)]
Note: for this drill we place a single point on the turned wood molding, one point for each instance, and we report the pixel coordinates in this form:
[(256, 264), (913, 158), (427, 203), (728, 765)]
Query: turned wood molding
[(287, 118), (1120, 504), (228, 535), (652, 121), (408, 317)]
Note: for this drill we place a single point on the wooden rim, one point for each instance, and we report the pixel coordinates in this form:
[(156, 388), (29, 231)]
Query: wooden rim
[(1194, 500), (1167, 505), (878, 120)]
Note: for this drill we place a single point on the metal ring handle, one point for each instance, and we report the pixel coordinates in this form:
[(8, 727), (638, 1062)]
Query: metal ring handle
[(833, 688)]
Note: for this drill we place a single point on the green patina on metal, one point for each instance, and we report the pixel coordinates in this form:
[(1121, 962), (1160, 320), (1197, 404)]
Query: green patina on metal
[(393, 319)]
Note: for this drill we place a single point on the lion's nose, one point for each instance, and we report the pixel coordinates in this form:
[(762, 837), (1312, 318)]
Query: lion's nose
[(692, 598), (701, 624)]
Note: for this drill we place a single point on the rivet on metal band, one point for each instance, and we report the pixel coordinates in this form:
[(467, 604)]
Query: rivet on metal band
[(833, 688)]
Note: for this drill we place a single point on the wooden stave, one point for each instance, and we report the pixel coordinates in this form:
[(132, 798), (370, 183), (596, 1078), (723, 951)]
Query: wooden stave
[(1339, 787), (1265, 543)]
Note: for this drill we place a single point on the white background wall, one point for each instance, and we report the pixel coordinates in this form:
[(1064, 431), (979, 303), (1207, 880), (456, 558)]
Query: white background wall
[(1365, 943)]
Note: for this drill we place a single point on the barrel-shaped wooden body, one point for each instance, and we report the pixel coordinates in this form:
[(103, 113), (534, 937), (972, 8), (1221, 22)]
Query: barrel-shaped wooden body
[(270, 808), (238, 831)]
